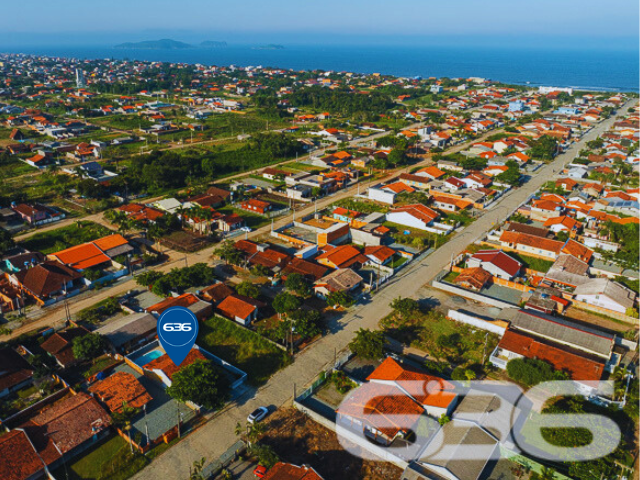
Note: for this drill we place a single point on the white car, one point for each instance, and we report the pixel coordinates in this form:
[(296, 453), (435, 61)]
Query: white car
[(245, 229), (258, 414)]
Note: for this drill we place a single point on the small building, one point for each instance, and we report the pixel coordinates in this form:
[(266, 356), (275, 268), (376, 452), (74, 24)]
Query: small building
[(129, 332), (15, 371), (239, 308), (496, 262), (256, 206), (201, 309), (342, 280), (605, 293), (473, 278), (120, 389), (287, 471), (60, 345)]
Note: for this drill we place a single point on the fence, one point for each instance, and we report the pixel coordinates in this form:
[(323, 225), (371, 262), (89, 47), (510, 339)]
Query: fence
[(478, 297), (226, 459), (527, 462), (498, 327), (604, 311)]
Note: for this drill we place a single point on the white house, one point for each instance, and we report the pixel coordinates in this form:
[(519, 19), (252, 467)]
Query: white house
[(414, 216), (605, 293), (496, 262)]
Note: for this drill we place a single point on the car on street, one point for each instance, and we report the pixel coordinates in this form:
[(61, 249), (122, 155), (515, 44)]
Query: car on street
[(260, 471), (258, 414)]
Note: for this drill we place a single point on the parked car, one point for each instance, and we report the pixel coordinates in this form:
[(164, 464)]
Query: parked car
[(258, 414), (260, 471)]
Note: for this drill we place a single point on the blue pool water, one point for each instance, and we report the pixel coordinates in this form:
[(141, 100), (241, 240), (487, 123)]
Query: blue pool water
[(148, 357)]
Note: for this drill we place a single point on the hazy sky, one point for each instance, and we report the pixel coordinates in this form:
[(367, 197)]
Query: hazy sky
[(594, 21)]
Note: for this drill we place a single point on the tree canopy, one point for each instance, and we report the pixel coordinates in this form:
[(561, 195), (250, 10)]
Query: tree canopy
[(201, 383), (368, 344)]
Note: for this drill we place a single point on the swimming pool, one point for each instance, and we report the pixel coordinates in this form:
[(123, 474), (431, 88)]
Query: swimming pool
[(148, 357)]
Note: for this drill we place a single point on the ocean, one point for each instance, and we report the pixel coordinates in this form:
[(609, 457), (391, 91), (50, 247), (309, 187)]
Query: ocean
[(593, 69)]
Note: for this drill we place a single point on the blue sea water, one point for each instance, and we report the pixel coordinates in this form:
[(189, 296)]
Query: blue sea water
[(597, 69)]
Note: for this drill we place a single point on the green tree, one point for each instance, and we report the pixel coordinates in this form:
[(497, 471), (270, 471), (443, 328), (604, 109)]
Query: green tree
[(196, 470), (368, 344), (530, 371), (443, 420), (285, 303), (228, 252), (6, 241), (266, 455), (296, 283), (405, 307), (88, 346), (148, 278), (341, 299), (201, 383), (248, 289)]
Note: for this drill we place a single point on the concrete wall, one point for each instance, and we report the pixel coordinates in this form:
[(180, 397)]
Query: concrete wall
[(493, 327), (471, 295)]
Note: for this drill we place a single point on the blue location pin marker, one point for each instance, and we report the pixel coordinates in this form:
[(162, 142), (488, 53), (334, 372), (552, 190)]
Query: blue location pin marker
[(177, 332)]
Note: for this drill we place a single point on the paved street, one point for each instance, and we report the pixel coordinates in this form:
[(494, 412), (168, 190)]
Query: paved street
[(214, 437)]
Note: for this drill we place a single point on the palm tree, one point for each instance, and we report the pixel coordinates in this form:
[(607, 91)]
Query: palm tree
[(195, 472), (252, 431), (547, 474)]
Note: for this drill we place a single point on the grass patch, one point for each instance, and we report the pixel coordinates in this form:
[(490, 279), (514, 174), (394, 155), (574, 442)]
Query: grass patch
[(398, 261), (426, 330), (65, 237), (450, 277), (243, 348), (252, 220), (109, 459), (533, 263)]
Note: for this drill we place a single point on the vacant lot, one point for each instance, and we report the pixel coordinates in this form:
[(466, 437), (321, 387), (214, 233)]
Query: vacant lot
[(443, 339), (299, 440), (242, 348), (65, 237)]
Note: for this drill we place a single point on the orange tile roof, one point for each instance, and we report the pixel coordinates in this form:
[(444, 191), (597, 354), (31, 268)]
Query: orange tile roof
[(577, 250), (578, 366), (233, 306), (185, 300), (531, 241), (568, 222), (110, 241), (385, 407), (82, 256), (343, 256), (419, 211), (119, 388), (169, 368), (426, 389), (432, 171), (19, 457), (398, 187), (286, 471)]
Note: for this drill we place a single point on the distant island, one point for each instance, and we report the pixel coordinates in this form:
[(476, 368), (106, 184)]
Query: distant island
[(212, 44), (164, 44), (271, 46)]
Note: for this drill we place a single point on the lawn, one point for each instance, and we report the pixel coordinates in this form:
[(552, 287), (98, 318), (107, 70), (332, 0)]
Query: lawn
[(109, 459), (398, 261), (252, 220), (422, 331), (65, 237), (537, 264), (242, 348)]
